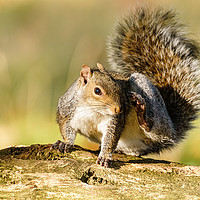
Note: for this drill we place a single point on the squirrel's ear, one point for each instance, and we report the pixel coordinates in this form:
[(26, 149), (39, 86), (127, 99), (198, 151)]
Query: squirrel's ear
[(100, 67), (85, 73)]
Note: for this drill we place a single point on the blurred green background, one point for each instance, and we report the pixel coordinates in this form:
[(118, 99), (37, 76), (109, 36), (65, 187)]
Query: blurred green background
[(43, 44)]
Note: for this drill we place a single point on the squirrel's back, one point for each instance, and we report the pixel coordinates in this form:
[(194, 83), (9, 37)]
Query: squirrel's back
[(154, 43)]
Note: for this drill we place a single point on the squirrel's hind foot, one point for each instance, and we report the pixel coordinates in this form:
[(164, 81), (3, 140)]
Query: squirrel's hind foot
[(140, 108), (62, 146)]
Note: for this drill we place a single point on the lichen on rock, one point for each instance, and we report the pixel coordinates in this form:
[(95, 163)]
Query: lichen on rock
[(37, 172)]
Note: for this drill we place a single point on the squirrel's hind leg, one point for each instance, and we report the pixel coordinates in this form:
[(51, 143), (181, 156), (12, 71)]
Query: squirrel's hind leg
[(140, 108)]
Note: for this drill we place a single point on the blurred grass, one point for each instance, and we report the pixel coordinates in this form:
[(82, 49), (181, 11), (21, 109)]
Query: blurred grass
[(42, 47)]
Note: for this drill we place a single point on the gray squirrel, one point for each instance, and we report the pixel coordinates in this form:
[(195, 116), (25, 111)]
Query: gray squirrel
[(147, 102)]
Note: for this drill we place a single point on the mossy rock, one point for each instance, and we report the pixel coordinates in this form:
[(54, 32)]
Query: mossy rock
[(37, 172)]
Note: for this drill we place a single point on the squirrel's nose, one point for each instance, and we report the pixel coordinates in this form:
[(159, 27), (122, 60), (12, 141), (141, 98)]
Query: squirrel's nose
[(117, 110)]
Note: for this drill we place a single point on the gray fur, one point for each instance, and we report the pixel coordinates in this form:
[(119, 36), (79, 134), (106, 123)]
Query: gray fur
[(151, 96), (155, 43), (162, 130)]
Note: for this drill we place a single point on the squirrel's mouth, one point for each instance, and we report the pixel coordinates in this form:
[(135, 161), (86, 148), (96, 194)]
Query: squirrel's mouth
[(109, 112), (106, 112)]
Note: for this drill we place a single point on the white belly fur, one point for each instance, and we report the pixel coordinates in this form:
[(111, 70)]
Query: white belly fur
[(92, 125), (131, 138), (89, 123)]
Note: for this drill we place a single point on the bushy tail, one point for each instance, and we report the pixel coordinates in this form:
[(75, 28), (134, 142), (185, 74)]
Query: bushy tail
[(155, 44)]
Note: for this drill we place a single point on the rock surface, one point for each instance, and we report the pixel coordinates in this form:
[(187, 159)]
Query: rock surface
[(36, 172)]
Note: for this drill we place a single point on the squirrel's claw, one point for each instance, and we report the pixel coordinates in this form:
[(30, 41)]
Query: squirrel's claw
[(104, 162), (137, 101), (61, 146), (140, 108)]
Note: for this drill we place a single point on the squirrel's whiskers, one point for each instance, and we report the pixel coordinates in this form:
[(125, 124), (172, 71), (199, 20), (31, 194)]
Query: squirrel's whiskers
[(147, 103)]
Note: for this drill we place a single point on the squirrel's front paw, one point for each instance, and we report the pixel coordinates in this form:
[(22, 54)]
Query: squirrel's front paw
[(105, 162), (62, 146)]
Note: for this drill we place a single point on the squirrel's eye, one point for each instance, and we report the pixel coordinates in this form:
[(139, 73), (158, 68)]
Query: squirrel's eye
[(97, 91)]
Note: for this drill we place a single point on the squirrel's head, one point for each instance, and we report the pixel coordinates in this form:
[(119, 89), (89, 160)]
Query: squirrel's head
[(100, 90)]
